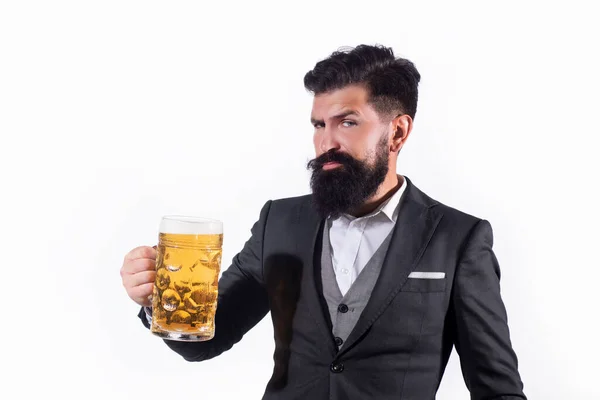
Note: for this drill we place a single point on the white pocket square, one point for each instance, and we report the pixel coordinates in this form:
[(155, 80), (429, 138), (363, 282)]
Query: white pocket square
[(427, 275)]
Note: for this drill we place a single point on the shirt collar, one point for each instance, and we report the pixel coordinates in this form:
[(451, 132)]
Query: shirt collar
[(390, 206)]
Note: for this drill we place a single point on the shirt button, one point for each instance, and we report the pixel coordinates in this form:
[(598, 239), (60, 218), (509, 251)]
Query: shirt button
[(339, 341), (344, 270), (343, 308), (336, 368)]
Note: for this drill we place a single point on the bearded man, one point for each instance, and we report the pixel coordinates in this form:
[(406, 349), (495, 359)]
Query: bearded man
[(369, 281)]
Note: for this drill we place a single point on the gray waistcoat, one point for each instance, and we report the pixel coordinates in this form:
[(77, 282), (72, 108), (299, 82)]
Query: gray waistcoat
[(345, 310)]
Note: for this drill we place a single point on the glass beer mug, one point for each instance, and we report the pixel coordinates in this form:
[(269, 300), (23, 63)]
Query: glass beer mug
[(188, 261)]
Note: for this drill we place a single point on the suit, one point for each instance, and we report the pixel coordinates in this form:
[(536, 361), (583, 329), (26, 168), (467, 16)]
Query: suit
[(400, 345)]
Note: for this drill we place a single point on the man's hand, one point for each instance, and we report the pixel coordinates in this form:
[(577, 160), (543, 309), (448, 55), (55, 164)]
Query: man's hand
[(138, 273)]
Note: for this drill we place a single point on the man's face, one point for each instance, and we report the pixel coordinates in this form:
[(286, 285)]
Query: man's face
[(352, 150), (344, 121)]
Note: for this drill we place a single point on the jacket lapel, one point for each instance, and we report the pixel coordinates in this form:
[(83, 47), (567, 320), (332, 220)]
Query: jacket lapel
[(413, 230)]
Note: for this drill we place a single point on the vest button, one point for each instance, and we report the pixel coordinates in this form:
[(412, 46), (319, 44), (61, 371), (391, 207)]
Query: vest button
[(339, 341), (336, 368), (343, 308)]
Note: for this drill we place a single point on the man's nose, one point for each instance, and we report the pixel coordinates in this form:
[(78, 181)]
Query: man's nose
[(328, 141)]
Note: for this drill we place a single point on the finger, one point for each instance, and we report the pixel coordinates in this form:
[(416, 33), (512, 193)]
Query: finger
[(141, 278), (141, 294), (141, 252), (141, 264)]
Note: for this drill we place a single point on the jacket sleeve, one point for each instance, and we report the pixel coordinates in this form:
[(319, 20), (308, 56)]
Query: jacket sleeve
[(242, 300), (482, 340)]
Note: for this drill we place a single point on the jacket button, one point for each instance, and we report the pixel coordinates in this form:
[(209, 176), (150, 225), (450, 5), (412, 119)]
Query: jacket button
[(336, 368), (339, 341), (343, 308)]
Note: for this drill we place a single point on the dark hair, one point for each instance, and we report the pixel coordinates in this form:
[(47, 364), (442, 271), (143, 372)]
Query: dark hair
[(392, 82)]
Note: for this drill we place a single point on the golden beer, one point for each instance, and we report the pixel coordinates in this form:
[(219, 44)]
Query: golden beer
[(188, 262)]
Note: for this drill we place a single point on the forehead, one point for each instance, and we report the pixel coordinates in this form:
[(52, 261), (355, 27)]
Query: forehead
[(348, 98)]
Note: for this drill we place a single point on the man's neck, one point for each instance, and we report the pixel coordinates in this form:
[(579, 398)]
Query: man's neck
[(390, 185)]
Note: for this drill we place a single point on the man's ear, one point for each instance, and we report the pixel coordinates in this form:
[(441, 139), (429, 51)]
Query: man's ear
[(401, 126)]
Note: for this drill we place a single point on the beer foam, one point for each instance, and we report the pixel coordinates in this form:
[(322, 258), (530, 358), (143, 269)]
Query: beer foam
[(178, 224)]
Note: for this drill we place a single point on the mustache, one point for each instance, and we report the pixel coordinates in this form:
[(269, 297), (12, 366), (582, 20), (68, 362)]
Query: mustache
[(330, 156)]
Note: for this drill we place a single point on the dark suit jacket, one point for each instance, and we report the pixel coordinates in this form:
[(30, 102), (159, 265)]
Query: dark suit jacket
[(402, 340)]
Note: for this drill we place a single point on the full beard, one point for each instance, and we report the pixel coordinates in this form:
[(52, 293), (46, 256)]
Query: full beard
[(350, 185)]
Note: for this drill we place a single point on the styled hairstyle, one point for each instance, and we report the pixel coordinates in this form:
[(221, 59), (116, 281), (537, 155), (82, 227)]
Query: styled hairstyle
[(392, 83)]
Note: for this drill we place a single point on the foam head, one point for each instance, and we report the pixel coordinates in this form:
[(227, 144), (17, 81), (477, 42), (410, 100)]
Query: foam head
[(179, 224)]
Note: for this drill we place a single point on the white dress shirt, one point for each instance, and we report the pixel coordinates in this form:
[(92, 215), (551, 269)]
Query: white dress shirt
[(355, 240)]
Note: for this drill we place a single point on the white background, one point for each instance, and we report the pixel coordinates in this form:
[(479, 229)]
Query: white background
[(113, 113)]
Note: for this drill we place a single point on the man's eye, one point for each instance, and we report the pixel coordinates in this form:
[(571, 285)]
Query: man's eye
[(318, 126), (348, 123)]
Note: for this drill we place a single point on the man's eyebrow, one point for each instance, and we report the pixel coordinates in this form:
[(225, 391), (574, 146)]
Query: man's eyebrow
[(338, 116)]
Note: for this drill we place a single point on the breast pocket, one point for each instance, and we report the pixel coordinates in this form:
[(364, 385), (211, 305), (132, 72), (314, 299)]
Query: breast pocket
[(424, 285)]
